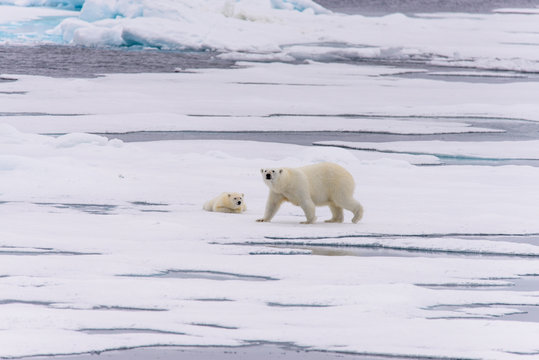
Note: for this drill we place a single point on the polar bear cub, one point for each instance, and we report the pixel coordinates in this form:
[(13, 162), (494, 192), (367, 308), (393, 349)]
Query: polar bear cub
[(227, 202), (310, 186)]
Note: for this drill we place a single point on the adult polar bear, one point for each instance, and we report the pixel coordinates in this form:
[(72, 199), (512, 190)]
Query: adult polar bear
[(310, 186)]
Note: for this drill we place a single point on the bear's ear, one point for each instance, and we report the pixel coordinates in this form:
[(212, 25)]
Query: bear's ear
[(280, 171), (242, 195), (229, 195), (262, 170)]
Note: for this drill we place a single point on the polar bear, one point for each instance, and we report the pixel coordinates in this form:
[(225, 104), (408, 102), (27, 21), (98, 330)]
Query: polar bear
[(231, 202), (310, 186)]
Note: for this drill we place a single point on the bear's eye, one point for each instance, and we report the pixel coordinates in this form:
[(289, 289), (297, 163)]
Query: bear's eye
[(272, 171)]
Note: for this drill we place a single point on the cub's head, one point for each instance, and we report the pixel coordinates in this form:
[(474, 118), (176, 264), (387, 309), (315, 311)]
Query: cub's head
[(236, 200), (271, 175)]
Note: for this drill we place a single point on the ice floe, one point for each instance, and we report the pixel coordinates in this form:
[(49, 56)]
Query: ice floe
[(329, 91), (122, 123), (293, 30), (499, 150)]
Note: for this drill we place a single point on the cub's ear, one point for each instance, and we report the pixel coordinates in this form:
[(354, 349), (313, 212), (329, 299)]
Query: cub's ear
[(280, 171), (242, 195), (229, 195), (262, 170)]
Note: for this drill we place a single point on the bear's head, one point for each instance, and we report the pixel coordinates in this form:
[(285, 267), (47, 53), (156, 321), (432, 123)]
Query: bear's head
[(270, 176), (236, 200)]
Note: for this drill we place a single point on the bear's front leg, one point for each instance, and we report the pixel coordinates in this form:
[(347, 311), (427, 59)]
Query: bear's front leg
[(309, 209), (272, 205)]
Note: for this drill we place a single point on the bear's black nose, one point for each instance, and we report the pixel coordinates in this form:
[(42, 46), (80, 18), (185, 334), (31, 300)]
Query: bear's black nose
[(268, 176), (239, 202)]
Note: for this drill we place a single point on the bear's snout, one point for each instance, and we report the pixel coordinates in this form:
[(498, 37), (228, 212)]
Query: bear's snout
[(239, 203), (268, 176)]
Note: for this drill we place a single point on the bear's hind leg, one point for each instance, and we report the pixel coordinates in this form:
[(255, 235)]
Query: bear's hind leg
[(337, 213), (355, 207), (208, 205)]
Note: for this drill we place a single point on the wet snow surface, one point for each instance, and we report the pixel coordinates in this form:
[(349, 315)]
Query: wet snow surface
[(104, 245)]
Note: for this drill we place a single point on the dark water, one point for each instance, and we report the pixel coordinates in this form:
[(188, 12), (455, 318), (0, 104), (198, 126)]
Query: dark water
[(381, 7), (514, 129), (253, 352), (78, 61), (511, 129)]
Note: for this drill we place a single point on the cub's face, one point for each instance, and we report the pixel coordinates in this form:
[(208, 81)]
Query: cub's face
[(236, 200), (270, 175)]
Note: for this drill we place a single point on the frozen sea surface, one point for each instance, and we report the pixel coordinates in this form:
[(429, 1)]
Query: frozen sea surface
[(122, 256), (105, 247), (422, 110)]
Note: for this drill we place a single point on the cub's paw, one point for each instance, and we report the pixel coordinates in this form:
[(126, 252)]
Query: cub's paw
[(261, 220)]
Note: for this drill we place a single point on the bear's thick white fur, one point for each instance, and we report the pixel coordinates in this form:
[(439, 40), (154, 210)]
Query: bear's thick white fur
[(231, 202), (310, 186)]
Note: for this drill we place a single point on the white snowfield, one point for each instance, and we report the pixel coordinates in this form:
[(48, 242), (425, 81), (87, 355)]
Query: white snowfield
[(104, 244)]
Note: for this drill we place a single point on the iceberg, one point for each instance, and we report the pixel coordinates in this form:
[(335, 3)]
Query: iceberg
[(299, 5), (63, 4), (291, 30), (210, 24), (303, 30)]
